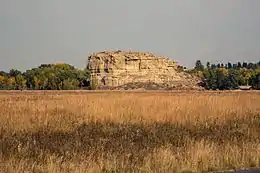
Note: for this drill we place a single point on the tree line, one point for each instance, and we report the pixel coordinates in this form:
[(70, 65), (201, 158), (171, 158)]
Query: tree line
[(45, 77), (66, 77), (227, 76)]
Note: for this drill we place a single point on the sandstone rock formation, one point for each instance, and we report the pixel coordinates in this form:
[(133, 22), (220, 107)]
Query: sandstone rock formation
[(134, 70)]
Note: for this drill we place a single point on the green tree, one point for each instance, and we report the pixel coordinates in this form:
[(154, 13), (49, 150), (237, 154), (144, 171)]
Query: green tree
[(11, 84), (244, 65), (14, 73), (208, 65), (239, 65), (199, 66), (213, 66), (244, 76), (210, 79), (20, 82), (70, 84), (83, 76), (232, 81), (229, 65), (222, 75), (56, 77), (251, 66), (32, 79)]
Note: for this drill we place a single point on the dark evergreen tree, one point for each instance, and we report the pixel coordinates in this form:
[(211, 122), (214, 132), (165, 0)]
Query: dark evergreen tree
[(221, 80), (239, 65), (229, 65), (208, 65), (232, 81), (14, 73), (251, 66), (213, 66), (199, 66), (244, 65)]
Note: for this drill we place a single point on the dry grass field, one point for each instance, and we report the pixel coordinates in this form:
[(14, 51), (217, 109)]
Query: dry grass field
[(129, 131)]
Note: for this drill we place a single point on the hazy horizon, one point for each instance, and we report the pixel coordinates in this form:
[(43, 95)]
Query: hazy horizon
[(34, 32)]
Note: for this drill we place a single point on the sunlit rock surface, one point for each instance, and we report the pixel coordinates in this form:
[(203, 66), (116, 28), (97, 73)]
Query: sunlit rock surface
[(135, 70)]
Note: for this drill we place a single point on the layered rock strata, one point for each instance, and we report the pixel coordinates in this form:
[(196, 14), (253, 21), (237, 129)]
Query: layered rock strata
[(118, 69)]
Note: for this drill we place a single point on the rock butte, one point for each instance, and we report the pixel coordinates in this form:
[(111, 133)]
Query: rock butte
[(135, 70)]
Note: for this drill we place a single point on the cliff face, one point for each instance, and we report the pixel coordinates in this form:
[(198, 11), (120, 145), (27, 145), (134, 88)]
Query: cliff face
[(132, 70)]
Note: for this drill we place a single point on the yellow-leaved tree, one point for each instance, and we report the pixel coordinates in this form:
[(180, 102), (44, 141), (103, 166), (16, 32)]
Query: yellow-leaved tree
[(2, 82), (11, 83), (224, 71), (20, 82)]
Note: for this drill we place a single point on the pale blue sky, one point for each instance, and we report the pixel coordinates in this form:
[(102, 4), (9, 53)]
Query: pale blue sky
[(48, 31)]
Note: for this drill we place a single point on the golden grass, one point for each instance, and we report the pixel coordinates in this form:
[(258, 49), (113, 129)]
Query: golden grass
[(129, 131)]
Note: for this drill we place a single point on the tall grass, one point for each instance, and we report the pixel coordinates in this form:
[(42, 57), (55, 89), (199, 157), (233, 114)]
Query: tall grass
[(129, 132)]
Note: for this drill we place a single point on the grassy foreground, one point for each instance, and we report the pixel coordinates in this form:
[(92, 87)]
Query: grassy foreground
[(129, 132)]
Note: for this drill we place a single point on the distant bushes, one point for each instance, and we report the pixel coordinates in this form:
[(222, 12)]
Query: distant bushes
[(228, 76), (45, 77)]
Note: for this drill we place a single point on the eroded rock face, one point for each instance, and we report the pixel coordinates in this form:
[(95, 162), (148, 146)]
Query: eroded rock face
[(118, 69)]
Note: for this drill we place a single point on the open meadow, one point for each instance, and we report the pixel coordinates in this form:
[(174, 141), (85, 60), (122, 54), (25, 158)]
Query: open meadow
[(120, 131)]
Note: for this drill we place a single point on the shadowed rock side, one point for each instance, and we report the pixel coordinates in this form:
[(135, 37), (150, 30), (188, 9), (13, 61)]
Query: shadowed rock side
[(136, 70)]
